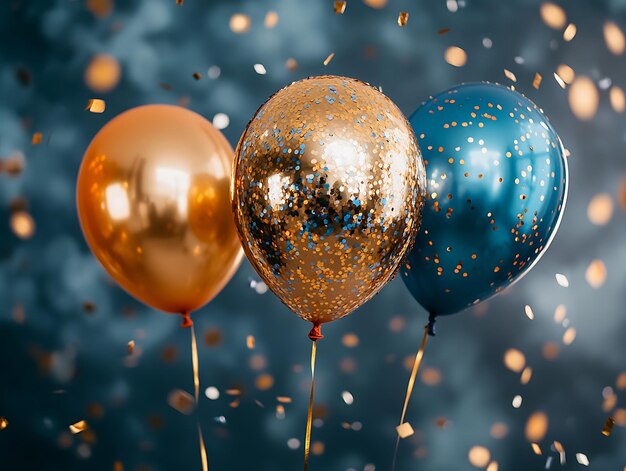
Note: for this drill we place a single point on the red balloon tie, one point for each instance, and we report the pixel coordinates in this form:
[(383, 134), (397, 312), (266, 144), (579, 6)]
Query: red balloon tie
[(187, 322), (316, 332)]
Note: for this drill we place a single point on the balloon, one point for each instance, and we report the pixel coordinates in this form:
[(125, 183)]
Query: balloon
[(154, 205), (497, 184), (327, 190)]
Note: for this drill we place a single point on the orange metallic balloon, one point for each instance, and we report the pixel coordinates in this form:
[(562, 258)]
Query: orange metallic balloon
[(154, 205)]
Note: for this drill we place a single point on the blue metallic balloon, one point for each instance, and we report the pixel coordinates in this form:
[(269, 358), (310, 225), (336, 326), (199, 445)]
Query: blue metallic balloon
[(497, 185)]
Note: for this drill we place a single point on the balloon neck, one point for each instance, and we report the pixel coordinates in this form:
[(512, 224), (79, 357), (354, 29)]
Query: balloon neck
[(316, 332), (432, 318), (187, 322)]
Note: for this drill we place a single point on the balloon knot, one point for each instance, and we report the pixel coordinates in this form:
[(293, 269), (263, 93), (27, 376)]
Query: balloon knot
[(187, 322), (316, 332), (431, 325)]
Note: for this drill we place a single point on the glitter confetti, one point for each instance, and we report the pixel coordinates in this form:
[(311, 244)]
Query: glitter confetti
[(4, 423), (596, 273), (181, 401), (537, 81), (559, 313), (614, 38), (559, 80), (566, 73), (22, 224), (536, 427), (550, 351), (510, 75), (260, 69), (479, 456), (103, 73), (339, 6), (214, 72), (553, 15), (608, 426), (96, 105), (583, 98), (197, 75), (562, 280), (514, 360), (403, 18), (130, 347), (405, 430), (582, 459), (284, 399), (240, 23), (36, 140), (250, 342), (499, 430), (560, 450), (378, 4), (329, 58), (212, 393), (536, 448), (429, 376), (264, 382), (617, 98), (529, 312), (293, 443), (493, 466), (221, 121), (78, 427), (455, 56), (443, 31), (291, 64), (569, 336), (347, 398), (517, 402), (600, 209), (271, 19), (350, 340), (570, 32), (526, 375)]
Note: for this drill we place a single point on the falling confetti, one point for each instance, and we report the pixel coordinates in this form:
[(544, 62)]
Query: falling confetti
[(240, 23), (537, 81), (570, 32), (582, 459), (526, 376), (329, 58), (536, 448), (96, 105), (347, 398), (271, 19), (405, 430), (4, 423), (339, 7), (529, 312), (181, 401), (608, 426), (103, 73), (514, 360), (130, 347), (562, 280), (517, 402), (510, 75), (569, 336), (584, 98), (260, 69), (36, 140), (291, 64), (221, 121), (499, 431), (78, 427), (596, 273), (250, 342), (455, 56), (479, 456), (212, 393), (536, 427), (614, 38), (378, 4), (600, 209), (22, 224), (350, 340), (559, 80), (403, 18), (618, 100), (553, 15)]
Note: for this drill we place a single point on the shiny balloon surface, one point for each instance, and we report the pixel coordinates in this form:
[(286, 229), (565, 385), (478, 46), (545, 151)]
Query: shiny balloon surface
[(497, 184), (154, 205), (327, 192)]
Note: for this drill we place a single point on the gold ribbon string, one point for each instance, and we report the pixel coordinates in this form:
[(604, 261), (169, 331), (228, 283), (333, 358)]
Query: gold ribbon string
[(309, 418), (196, 385), (409, 389)]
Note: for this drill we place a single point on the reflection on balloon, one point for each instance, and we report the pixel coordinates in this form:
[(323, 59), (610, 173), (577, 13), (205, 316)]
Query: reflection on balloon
[(154, 204), (497, 185)]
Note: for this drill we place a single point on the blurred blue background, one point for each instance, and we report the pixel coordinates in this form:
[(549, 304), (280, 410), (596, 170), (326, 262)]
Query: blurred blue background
[(65, 326)]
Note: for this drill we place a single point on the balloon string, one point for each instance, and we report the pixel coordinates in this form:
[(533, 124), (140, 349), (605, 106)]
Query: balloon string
[(196, 385), (409, 389), (309, 418)]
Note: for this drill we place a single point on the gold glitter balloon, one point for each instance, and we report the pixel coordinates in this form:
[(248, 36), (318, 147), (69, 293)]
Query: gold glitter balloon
[(328, 186)]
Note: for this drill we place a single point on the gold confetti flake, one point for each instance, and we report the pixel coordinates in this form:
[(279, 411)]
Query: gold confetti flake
[(529, 312), (560, 450), (559, 313), (78, 427), (37, 138), (582, 459), (96, 105), (405, 430), (517, 402), (329, 58), (621, 381), (510, 75), (608, 426), (317, 448), (240, 23), (443, 31), (562, 280), (430, 376), (596, 273), (553, 15), (527, 374), (550, 351), (130, 347), (291, 64), (250, 342), (569, 336), (614, 38), (514, 360), (271, 19), (264, 382), (233, 392), (536, 427), (618, 100), (455, 56), (559, 80), (284, 399), (570, 32), (403, 18), (350, 340), (4, 423), (378, 4), (536, 448), (600, 209), (493, 466), (499, 430), (479, 456), (103, 73), (22, 224), (181, 401), (537, 81), (566, 73), (339, 7), (197, 75), (584, 98), (620, 417)]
